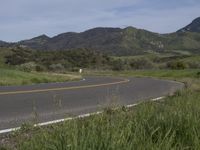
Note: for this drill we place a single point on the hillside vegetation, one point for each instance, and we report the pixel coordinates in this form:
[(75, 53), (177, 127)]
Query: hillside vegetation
[(26, 73), (64, 61), (117, 41)]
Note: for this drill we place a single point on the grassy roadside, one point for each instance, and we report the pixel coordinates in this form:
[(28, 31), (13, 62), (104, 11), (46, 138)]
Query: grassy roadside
[(16, 77), (170, 124), (175, 74), (190, 77)]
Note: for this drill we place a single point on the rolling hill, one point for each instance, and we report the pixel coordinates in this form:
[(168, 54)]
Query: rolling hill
[(117, 41)]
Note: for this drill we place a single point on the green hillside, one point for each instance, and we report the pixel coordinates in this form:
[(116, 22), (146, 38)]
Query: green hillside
[(117, 41)]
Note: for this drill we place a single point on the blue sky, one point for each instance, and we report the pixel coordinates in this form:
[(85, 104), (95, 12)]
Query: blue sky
[(24, 19)]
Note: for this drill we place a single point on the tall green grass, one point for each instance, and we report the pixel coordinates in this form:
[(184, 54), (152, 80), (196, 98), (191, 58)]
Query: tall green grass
[(16, 77), (172, 124)]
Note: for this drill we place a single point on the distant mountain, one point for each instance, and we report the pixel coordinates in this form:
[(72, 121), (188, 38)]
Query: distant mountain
[(192, 27), (3, 44), (117, 41), (35, 43)]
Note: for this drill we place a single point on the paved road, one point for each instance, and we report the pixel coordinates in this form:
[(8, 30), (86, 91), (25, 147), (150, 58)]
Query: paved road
[(46, 102)]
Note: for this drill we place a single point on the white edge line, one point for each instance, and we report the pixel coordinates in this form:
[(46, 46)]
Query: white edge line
[(157, 99), (9, 130), (71, 118)]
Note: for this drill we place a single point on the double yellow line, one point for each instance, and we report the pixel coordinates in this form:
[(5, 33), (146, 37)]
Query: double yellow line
[(63, 88)]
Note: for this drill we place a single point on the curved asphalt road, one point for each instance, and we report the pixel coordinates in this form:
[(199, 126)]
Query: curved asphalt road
[(46, 102)]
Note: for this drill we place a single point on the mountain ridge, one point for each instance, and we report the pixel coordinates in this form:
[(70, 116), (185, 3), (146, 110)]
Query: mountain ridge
[(194, 26), (120, 41)]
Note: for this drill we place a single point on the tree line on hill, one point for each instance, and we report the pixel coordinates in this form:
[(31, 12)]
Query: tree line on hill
[(72, 60)]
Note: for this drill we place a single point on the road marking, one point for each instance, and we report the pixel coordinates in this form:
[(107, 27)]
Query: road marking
[(132, 105), (9, 130), (71, 118), (157, 99), (64, 88), (52, 122), (154, 99)]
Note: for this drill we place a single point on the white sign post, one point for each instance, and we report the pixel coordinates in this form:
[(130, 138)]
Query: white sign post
[(80, 70)]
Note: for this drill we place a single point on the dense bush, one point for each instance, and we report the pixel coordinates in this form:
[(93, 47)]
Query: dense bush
[(118, 65), (58, 60), (132, 64), (176, 65), (198, 74), (19, 56), (194, 64), (141, 63), (56, 67), (27, 67), (40, 68), (85, 58)]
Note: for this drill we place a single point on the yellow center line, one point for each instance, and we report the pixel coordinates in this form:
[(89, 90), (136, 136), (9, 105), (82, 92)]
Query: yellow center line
[(63, 88)]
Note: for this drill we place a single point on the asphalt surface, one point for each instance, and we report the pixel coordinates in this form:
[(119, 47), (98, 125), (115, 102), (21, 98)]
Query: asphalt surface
[(47, 102)]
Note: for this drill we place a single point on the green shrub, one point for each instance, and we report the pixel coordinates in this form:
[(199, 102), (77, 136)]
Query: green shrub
[(194, 64), (40, 68), (3, 148), (19, 56), (198, 74), (141, 63), (27, 67), (176, 65), (118, 65), (56, 67)]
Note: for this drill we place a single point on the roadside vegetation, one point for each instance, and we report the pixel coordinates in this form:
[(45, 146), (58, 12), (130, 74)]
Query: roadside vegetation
[(28, 72), (16, 77), (172, 123)]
